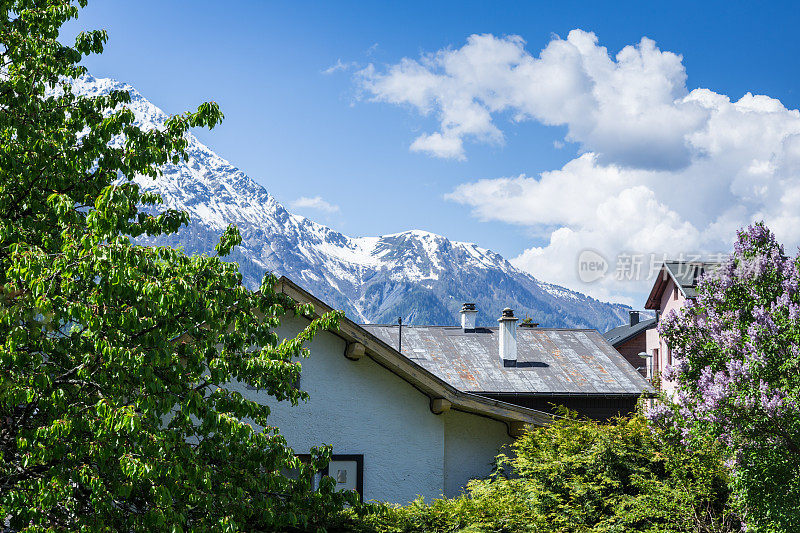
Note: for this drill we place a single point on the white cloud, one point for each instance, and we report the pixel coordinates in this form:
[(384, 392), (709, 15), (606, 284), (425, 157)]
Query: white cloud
[(627, 109), (339, 66), (447, 146), (316, 202), (662, 170)]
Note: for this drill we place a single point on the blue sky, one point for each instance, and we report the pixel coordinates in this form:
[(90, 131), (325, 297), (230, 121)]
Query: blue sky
[(303, 133)]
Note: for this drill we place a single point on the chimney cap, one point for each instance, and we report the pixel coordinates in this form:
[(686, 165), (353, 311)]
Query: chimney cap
[(508, 314), (467, 306)]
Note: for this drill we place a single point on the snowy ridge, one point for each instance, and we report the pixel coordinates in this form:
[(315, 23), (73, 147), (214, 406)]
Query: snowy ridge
[(416, 274)]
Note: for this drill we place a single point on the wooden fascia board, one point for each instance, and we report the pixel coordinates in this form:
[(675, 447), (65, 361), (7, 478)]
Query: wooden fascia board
[(421, 379), (499, 410), (654, 298)]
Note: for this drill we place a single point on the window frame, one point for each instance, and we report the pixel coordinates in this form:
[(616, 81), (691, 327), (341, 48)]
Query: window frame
[(358, 458)]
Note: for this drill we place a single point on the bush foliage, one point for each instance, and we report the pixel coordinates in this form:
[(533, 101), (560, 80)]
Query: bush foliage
[(581, 476)]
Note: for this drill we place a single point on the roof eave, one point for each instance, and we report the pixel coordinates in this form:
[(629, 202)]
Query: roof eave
[(654, 298), (571, 394), (664, 275), (423, 380), (632, 335)]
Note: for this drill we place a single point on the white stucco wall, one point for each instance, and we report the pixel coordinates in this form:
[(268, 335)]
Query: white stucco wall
[(359, 407), (470, 444)]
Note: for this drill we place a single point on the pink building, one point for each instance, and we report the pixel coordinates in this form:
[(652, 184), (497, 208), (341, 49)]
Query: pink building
[(675, 283)]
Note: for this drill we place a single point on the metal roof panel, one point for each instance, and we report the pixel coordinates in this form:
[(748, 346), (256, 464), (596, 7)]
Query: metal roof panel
[(550, 361)]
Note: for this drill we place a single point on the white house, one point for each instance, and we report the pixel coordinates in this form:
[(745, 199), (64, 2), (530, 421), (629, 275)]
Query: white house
[(398, 429)]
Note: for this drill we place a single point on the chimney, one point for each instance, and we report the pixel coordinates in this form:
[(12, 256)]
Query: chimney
[(468, 314), (508, 338), (634, 317)]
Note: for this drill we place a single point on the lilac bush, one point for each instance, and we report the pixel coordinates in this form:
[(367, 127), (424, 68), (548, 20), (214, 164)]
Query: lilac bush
[(736, 353)]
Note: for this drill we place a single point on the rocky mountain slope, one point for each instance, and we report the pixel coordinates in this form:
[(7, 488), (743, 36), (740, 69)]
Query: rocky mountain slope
[(418, 275)]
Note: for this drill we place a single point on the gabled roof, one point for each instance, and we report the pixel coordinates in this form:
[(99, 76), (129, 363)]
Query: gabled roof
[(550, 361), (414, 373), (685, 274), (626, 332)]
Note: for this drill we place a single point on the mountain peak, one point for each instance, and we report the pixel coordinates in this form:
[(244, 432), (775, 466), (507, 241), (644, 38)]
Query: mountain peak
[(416, 274)]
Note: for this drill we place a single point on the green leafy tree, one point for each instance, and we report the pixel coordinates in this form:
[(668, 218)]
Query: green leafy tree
[(114, 358)]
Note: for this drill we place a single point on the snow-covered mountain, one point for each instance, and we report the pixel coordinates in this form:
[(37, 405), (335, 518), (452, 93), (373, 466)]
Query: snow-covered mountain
[(418, 275)]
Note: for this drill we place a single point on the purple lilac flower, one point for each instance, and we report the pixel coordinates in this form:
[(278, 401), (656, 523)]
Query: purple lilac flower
[(668, 322), (771, 400), (764, 319), (738, 371), (714, 388), (755, 237), (658, 413)]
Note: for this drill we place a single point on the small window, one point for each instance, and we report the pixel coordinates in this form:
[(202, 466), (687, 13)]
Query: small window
[(654, 368), (675, 293), (348, 472)]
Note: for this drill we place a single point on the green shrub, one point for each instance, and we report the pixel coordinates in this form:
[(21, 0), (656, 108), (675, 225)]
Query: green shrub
[(580, 476)]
